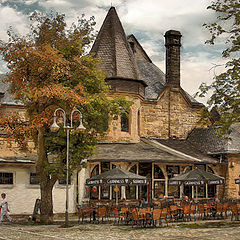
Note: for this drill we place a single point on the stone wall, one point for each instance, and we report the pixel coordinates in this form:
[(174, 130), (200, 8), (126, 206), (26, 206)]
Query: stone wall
[(170, 116), (11, 148), (116, 135), (6, 110), (232, 173)]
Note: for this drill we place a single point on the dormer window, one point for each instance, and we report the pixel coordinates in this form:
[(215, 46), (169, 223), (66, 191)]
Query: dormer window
[(132, 46)]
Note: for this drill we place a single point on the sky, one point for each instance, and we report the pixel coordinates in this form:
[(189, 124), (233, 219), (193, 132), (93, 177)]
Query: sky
[(148, 20)]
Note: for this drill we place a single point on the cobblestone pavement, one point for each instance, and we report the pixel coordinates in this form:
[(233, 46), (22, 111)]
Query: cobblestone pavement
[(112, 232)]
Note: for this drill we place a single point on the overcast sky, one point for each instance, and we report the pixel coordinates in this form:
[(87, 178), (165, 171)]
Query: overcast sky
[(148, 20)]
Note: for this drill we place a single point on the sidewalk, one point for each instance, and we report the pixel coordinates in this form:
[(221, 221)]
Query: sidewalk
[(194, 231)]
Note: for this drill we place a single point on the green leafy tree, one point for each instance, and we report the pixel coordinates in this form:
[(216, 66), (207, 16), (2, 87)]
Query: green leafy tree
[(226, 86), (48, 69)]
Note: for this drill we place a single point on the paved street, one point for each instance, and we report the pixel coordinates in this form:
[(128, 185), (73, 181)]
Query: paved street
[(111, 232)]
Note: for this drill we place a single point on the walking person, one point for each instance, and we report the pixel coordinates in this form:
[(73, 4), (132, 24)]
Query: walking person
[(4, 208)]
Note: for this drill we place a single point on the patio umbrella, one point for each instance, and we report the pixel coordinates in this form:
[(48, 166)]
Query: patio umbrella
[(196, 177), (117, 177)]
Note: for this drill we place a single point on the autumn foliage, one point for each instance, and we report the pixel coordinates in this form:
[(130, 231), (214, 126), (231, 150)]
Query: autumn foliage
[(50, 68)]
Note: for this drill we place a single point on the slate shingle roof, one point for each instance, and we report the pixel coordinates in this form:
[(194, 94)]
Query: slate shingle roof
[(186, 147), (112, 47), (207, 140), (153, 77), (145, 151), (118, 61), (21, 159)]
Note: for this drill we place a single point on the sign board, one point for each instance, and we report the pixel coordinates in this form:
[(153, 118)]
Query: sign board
[(174, 182), (196, 182), (35, 210), (216, 182), (193, 183), (117, 181)]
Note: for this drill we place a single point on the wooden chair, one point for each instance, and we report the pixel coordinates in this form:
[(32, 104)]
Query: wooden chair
[(156, 215), (124, 213), (174, 212), (164, 215), (234, 211), (118, 216), (202, 211), (187, 212), (219, 210), (142, 211), (136, 219), (84, 212), (225, 209), (193, 211), (101, 213)]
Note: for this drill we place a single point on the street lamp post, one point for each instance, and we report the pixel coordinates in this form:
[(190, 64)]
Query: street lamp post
[(54, 128)]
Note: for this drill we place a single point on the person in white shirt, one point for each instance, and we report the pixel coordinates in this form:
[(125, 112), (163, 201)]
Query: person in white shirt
[(4, 208)]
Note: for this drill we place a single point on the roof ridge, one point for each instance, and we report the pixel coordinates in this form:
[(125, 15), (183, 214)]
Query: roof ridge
[(173, 151)]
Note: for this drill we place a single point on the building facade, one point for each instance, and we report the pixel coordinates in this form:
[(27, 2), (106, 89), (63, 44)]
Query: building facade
[(160, 138)]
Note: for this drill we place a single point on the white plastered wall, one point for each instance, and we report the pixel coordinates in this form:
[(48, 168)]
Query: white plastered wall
[(21, 194)]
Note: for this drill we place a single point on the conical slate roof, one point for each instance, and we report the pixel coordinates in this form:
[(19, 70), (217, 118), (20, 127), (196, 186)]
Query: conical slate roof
[(112, 47), (197, 177)]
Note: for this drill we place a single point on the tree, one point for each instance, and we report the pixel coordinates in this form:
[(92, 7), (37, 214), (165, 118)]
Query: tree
[(226, 86), (49, 68)]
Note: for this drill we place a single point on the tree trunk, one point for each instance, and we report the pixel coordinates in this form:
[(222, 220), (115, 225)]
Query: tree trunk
[(46, 182), (46, 206)]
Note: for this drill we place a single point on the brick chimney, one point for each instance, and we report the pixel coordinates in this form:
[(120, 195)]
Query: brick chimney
[(173, 44)]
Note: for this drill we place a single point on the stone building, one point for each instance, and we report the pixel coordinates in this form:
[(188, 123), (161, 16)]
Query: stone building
[(160, 138), (154, 142)]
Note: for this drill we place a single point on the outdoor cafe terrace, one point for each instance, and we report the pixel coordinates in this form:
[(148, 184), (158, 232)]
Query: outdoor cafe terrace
[(145, 214), (149, 213)]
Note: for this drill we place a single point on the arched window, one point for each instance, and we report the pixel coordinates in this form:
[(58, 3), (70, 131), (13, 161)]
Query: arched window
[(138, 121), (172, 171), (158, 183), (94, 190), (187, 169), (124, 121), (95, 171), (209, 169), (158, 173), (131, 190), (212, 189), (133, 169)]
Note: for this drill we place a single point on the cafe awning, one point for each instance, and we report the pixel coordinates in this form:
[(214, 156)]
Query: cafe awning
[(197, 177), (117, 176)]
